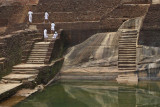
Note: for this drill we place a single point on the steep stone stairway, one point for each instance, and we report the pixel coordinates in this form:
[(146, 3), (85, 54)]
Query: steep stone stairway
[(27, 73), (127, 51), (38, 53)]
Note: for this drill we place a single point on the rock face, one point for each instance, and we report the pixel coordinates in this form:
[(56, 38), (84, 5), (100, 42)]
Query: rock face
[(99, 50)]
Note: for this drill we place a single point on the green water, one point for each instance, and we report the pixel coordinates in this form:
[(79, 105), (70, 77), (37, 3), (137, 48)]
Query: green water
[(96, 94)]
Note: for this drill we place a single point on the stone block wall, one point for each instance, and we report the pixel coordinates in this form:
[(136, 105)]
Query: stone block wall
[(15, 44), (88, 10), (13, 17), (74, 5), (150, 32), (114, 19), (48, 72)]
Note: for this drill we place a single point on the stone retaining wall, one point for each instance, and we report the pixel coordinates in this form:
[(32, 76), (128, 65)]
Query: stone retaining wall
[(150, 32), (15, 44)]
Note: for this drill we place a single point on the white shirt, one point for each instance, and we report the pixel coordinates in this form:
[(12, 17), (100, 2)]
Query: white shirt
[(52, 26), (55, 35), (46, 15), (30, 13), (45, 33)]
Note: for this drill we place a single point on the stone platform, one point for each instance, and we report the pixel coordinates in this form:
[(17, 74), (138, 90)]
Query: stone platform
[(91, 73), (8, 89)]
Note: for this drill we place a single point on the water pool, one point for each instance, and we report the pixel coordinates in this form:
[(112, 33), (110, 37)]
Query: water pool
[(96, 94)]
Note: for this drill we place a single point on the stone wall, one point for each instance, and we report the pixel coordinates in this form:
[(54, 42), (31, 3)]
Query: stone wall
[(15, 44), (81, 10), (48, 72), (149, 35), (114, 19), (13, 17)]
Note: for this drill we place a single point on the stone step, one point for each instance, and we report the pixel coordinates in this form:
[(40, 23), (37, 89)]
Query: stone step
[(2, 59), (125, 43), (127, 49), (121, 57), (39, 50), (35, 62), (124, 68), (127, 70), (27, 69), (19, 77), (127, 54), (129, 31), (39, 53), (127, 57), (124, 47), (128, 36), (40, 47), (25, 72), (126, 65), (34, 48), (127, 39), (34, 58), (9, 89), (131, 59), (126, 62), (37, 56), (43, 52), (127, 46), (42, 43)]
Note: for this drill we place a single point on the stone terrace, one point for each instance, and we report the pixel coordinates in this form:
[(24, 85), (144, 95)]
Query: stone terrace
[(150, 31), (114, 19), (77, 10)]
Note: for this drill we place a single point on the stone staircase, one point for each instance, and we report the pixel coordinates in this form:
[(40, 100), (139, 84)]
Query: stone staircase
[(127, 79), (38, 53), (127, 51)]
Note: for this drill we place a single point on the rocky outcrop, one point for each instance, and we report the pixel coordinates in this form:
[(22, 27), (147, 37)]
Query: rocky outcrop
[(100, 50)]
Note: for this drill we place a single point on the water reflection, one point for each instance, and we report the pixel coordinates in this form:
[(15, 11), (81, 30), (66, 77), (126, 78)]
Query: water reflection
[(96, 94)]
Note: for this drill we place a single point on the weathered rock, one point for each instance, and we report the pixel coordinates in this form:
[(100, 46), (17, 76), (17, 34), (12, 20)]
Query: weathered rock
[(98, 50)]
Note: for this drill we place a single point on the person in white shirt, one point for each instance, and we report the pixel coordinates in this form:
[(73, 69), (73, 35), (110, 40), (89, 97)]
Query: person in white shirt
[(45, 35), (55, 35), (30, 16), (46, 15), (52, 27)]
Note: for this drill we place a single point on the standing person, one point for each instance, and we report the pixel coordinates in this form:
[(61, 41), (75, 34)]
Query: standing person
[(30, 16), (52, 27), (45, 35), (46, 15), (55, 35)]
